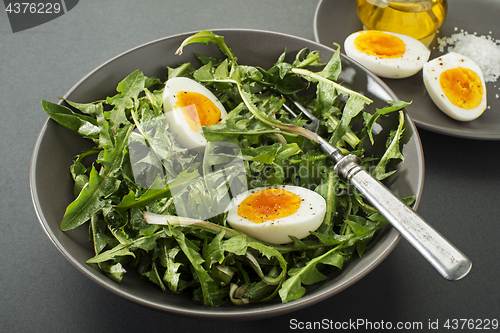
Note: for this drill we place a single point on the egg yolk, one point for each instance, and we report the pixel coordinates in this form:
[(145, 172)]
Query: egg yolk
[(198, 109), (379, 44), (462, 86), (269, 205)]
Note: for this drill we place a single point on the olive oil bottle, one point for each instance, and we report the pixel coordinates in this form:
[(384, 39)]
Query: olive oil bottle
[(419, 19)]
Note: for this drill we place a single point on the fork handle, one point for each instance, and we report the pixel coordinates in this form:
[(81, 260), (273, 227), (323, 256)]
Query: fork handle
[(446, 259), (440, 253)]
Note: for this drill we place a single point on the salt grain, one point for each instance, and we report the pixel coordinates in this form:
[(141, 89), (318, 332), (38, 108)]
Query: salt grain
[(483, 50)]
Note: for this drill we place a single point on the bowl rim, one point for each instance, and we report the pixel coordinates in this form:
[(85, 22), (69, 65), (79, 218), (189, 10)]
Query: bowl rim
[(268, 309)]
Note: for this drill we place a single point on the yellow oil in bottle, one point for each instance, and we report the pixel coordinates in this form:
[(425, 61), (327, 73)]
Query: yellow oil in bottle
[(419, 19)]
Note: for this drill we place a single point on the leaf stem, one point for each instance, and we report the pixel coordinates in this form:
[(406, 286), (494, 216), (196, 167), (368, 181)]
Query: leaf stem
[(177, 221), (80, 158), (209, 37), (305, 72), (331, 197)]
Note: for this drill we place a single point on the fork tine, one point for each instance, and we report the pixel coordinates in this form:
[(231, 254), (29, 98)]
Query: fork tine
[(313, 126), (289, 110), (315, 121)]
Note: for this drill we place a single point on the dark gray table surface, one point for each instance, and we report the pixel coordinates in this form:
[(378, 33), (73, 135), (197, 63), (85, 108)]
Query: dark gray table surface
[(40, 291)]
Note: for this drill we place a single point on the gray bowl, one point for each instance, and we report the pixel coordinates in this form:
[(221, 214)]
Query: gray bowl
[(52, 186)]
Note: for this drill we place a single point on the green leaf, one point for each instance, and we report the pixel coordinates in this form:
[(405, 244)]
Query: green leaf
[(292, 288), (264, 154), (100, 185), (288, 150), (250, 73), (392, 152), (237, 245), (99, 238), (309, 276), (357, 228), (236, 123), (214, 252), (316, 77), (105, 138), (208, 37), (88, 202), (128, 89), (291, 84), (207, 59), (352, 108), (171, 276), (204, 73), (334, 259), (80, 182), (118, 251), (330, 240), (114, 270), (91, 109), (360, 247), (180, 71), (152, 81), (126, 248), (334, 66), (184, 179), (207, 284), (327, 189), (222, 273), (326, 94), (155, 101), (312, 59), (222, 71), (84, 125), (154, 276), (392, 106)]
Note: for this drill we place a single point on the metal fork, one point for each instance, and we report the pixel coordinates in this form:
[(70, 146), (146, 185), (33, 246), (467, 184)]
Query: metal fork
[(314, 122), (441, 254)]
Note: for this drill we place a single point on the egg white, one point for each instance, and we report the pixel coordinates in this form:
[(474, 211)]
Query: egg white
[(431, 74), (415, 56), (178, 124), (307, 218)]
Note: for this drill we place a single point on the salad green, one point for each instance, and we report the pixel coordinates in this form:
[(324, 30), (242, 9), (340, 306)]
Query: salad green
[(139, 227)]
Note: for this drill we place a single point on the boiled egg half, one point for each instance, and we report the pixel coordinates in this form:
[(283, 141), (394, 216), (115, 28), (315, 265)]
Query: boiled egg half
[(188, 106), (272, 214), (456, 85), (387, 54)]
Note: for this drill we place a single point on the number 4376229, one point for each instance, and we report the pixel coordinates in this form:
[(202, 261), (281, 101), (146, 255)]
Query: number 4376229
[(471, 324), (33, 8)]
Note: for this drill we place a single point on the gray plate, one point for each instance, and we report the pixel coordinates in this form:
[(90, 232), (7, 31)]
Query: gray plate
[(337, 19), (52, 186)]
